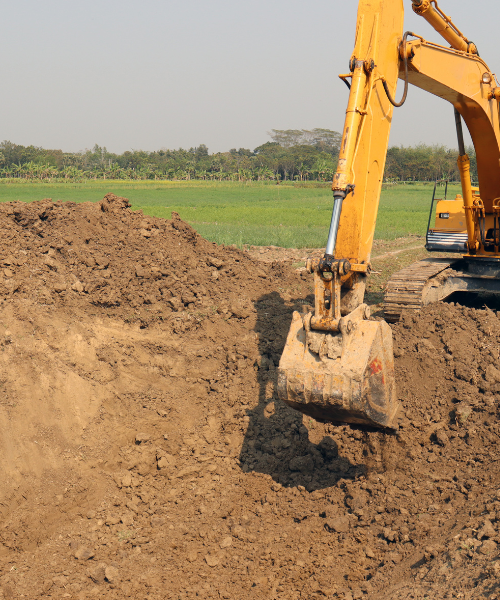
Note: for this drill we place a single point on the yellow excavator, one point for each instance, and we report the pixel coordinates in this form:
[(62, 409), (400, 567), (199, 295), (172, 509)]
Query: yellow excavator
[(337, 364)]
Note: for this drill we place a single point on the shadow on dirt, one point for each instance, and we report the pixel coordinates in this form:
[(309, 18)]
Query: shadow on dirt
[(477, 301), (277, 440)]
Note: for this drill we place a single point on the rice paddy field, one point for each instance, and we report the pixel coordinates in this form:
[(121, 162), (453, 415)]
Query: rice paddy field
[(261, 214)]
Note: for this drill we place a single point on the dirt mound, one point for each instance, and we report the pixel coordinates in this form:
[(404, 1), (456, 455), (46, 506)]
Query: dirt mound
[(145, 453), (104, 254), (447, 359)]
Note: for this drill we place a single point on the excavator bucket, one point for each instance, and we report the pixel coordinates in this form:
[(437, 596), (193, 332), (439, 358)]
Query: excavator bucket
[(340, 377)]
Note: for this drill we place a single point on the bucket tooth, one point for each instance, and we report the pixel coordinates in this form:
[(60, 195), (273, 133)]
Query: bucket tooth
[(340, 377)]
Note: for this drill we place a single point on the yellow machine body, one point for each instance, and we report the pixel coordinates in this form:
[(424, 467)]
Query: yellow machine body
[(450, 216), (337, 364)]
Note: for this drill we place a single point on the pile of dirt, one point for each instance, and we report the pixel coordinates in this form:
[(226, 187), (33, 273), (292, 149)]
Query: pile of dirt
[(62, 252), (146, 455), (447, 359)]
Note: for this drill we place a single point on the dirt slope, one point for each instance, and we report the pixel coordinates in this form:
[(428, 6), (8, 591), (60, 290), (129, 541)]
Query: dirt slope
[(145, 454)]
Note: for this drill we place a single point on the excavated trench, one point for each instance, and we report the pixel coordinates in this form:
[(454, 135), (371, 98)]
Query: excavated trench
[(146, 455)]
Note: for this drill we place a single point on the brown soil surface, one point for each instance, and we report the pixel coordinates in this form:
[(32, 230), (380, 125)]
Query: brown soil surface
[(145, 454)]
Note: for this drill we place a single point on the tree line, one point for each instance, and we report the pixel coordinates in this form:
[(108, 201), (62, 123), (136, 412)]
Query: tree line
[(292, 155)]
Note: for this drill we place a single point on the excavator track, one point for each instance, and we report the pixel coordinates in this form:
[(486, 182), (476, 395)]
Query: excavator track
[(405, 290)]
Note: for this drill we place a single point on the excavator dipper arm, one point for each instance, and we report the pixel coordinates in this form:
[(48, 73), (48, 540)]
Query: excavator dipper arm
[(337, 364)]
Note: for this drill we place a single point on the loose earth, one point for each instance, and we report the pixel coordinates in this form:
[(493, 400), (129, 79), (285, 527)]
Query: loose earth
[(145, 453)]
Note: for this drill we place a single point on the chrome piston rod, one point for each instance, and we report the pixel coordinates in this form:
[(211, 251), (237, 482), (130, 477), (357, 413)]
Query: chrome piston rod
[(334, 224)]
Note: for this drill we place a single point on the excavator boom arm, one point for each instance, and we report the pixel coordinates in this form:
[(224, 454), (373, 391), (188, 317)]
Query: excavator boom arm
[(465, 81)]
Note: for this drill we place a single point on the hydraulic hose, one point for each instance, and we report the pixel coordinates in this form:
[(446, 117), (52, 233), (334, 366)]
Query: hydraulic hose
[(405, 62)]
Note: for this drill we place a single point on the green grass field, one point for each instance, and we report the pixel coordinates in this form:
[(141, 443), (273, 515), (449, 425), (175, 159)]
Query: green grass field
[(262, 214)]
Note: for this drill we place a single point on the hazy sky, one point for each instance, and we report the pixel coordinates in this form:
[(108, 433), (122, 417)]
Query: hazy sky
[(157, 73)]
